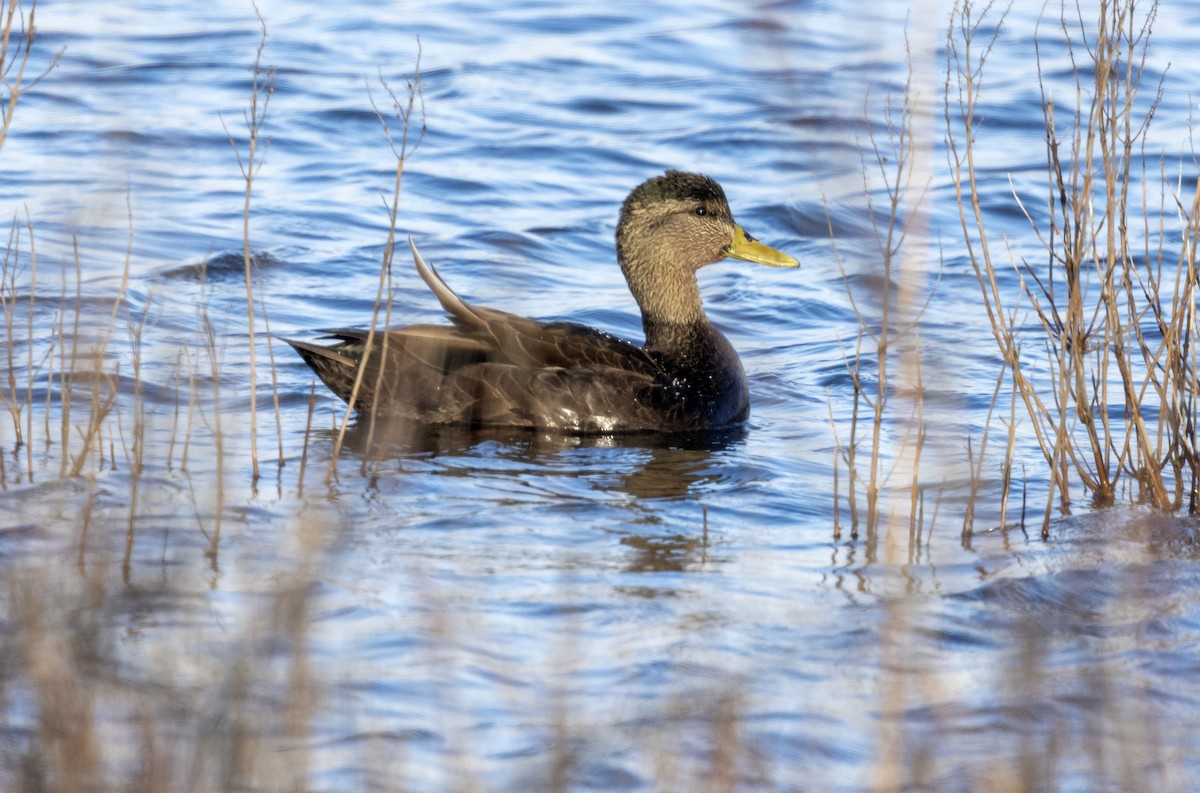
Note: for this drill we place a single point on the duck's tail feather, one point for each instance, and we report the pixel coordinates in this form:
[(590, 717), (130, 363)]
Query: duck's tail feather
[(454, 305), (335, 369), (316, 352)]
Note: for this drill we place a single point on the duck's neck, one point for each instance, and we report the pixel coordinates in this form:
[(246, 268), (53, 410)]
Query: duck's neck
[(669, 297), (672, 327), (681, 345)]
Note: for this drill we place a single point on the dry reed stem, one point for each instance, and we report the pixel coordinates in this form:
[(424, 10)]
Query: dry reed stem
[(896, 164), (102, 406), (838, 451), (67, 369), (29, 337), (964, 69), (403, 111), (274, 378), (362, 366), (192, 398), (975, 462), (57, 340), (8, 304), (1006, 469), (215, 355), (312, 403), (262, 87), (913, 362), (15, 54), (14, 57), (176, 372), (136, 463)]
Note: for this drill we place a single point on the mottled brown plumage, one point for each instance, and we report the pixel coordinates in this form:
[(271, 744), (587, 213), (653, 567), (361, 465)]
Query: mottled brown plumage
[(491, 368)]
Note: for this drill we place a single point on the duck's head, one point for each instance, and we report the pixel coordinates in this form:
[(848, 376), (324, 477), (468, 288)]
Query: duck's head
[(670, 227)]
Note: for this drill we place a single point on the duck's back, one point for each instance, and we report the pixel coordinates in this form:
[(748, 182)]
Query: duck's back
[(515, 372)]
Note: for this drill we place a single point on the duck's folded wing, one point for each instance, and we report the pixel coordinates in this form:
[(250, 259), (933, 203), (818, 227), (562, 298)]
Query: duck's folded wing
[(527, 342), (436, 346)]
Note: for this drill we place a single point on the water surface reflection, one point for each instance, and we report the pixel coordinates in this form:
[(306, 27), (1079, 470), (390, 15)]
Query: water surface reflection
[(476, 609)]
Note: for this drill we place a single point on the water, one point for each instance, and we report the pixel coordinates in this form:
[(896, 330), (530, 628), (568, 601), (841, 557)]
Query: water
[(495, 611)]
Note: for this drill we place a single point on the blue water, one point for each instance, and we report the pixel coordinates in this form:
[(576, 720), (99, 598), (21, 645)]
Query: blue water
[(479, 606)]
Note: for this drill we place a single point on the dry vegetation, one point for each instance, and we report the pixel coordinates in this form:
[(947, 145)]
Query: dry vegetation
[(79, 715), (1096, 345), (1105, 375), (889, 336), (1105, 371)]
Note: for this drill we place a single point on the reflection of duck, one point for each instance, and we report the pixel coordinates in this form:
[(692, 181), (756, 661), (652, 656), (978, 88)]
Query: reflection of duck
[(676, 471), (663, 554), (491, 368), (652, 468)]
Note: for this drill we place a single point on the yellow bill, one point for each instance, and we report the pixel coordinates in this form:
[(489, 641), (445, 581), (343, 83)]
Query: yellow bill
[(749, 249)]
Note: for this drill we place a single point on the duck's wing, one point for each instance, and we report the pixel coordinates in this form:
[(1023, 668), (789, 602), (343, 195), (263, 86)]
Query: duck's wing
[(438, 347), (525, 342), (529, 343), (439, 375)]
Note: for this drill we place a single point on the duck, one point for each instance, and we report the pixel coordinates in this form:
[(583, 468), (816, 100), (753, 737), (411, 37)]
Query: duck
[(490, 368)]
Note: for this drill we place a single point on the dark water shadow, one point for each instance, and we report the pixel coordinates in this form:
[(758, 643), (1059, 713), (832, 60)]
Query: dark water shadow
[(660, 465)]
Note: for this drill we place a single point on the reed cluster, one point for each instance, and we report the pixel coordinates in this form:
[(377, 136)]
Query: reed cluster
[(1106, 372), (78, 714), (1095, 335)]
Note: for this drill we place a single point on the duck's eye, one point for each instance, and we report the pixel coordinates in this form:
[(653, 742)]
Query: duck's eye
[(701, 212)]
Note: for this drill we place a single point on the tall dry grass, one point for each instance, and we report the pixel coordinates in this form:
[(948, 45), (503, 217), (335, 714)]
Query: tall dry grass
[(86, 725), (1106, 373), (405, 111), (81, 725), (262, 86), (18, 32), (886, 429)]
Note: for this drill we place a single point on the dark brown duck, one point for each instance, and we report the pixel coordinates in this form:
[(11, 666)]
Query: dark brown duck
[(491, 368)]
